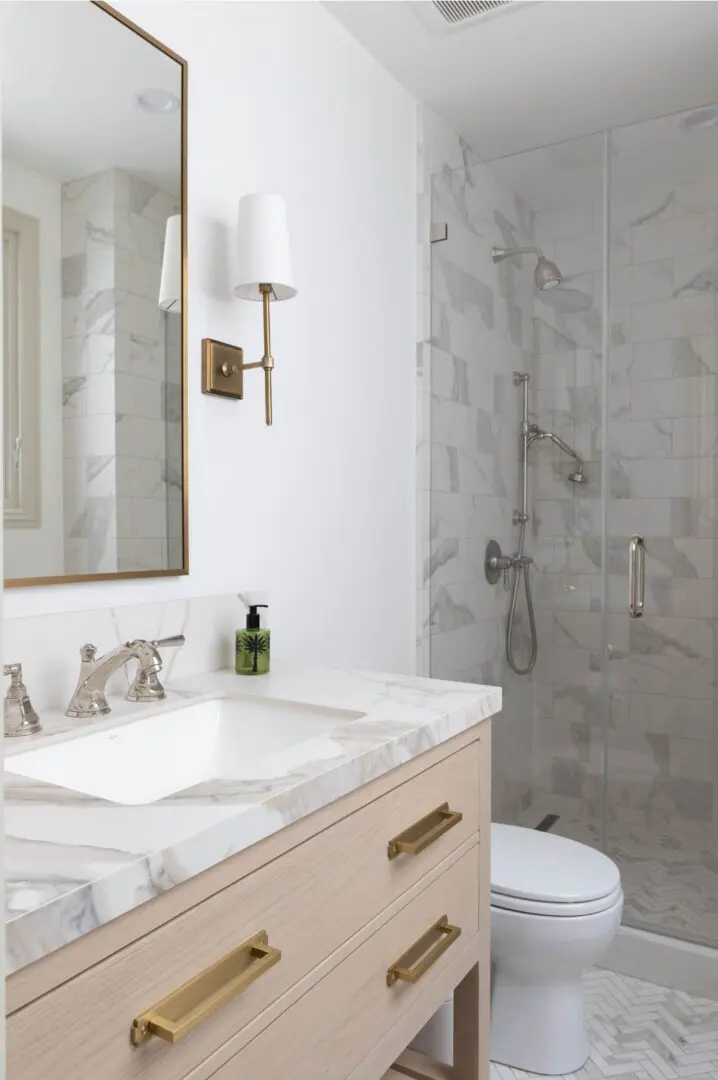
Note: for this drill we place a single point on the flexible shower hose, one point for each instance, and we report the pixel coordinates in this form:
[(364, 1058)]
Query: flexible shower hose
[(521, 568)]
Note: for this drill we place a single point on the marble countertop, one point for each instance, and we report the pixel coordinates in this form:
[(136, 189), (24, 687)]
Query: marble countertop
[(74, 862)]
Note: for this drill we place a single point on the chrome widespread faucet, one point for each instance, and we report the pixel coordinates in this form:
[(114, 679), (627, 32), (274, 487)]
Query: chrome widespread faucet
[(89, 698)]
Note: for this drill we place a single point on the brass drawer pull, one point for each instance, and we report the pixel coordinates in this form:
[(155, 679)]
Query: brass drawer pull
[(175, 1015), (430, 946), (424, 832)]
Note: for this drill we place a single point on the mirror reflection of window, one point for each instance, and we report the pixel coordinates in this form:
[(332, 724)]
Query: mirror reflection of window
[(10, 361), (21, 304)]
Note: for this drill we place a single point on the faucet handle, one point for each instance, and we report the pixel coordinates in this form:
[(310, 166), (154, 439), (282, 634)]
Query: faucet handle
[(20, 717), (147, 686), (169, 642)]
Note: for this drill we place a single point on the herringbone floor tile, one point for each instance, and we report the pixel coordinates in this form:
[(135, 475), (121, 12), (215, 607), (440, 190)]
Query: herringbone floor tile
[(640, 1031)]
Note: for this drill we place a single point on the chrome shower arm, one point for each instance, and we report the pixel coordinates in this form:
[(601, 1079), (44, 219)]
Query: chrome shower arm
[(557, 441), (497, 254)]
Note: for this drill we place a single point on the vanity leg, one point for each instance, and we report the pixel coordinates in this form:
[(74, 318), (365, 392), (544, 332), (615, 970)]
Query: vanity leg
[(472, 997), (467, 1027)]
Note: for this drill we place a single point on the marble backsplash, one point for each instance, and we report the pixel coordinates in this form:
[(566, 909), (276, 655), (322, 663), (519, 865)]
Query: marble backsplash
[(48, 646)]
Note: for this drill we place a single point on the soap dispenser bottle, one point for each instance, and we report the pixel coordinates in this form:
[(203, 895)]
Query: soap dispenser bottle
[(252, 645)]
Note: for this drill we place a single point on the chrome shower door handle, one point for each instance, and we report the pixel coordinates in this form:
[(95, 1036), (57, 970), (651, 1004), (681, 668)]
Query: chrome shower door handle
[(636, 575)]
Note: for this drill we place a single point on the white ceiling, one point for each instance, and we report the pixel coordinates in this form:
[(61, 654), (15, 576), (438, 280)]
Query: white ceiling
[(547, 71), (70, 74)]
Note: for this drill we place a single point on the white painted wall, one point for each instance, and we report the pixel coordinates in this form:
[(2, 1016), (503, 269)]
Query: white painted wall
[(27, 549), (2, 637), (318, 509)]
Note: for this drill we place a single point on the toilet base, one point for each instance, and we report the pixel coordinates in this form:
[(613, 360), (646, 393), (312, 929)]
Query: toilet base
[(552, 1039)]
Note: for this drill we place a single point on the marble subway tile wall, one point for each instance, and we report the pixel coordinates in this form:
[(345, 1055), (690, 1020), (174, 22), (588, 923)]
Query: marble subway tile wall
[(438, 148), (116, 390), (477, 331), (172, 414), (662, 428), (90, 295), (148, 382)]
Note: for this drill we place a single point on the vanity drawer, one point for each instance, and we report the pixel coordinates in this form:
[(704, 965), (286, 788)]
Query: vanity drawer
[(310, 901), (329, 1031)]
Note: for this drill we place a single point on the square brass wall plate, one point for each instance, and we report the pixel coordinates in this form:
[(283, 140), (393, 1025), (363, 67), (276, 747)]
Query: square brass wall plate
[(222, 369)]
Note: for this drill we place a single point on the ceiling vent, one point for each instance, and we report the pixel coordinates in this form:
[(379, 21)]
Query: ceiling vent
[(443, 16), (455, 11)]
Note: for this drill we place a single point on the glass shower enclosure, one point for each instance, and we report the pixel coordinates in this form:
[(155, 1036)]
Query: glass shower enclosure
[(614, 731)]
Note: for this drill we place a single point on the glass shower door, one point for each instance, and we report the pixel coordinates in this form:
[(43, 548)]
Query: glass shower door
[(661, 780)]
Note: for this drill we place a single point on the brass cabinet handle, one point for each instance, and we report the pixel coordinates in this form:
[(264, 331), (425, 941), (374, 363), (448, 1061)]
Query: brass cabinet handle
[(424, 832), (175, 1015), (417, 959)]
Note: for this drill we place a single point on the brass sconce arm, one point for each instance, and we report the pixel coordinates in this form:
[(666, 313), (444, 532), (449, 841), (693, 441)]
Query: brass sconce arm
[(223, 365), (267, 361)]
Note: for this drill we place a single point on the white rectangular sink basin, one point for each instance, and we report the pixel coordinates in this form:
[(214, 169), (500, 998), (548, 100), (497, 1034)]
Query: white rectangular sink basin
[(230, 738)]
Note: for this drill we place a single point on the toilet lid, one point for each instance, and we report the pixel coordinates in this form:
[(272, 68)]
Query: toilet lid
[(540, 866), (551, 908)]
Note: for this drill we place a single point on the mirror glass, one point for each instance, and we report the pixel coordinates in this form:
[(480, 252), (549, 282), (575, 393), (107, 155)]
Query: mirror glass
[(92, 330)]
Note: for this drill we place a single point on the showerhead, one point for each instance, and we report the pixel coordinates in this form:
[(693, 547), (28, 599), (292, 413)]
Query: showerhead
[(546, 275), (537, 434)]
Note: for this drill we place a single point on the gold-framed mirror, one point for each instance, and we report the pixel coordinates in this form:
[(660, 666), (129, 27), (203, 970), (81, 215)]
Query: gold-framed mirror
[(94, 298)]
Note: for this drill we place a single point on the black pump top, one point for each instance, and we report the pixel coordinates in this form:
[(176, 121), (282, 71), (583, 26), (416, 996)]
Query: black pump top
[(253, 617)]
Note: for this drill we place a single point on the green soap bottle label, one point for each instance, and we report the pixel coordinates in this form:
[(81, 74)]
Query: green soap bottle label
[(252, 652)]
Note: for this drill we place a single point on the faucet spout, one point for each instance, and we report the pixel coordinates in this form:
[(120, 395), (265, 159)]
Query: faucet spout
[(89, 698)]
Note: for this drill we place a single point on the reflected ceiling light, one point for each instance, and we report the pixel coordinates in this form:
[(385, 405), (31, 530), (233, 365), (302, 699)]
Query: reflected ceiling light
[(157, 101), (700, 118)]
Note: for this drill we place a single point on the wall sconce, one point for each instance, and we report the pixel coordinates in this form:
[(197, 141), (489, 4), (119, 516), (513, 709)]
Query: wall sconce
[(171, 279), (263, 272)]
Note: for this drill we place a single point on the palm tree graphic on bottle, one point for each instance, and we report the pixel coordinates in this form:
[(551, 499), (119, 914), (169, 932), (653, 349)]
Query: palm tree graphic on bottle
[(252, 652), (256, 645)]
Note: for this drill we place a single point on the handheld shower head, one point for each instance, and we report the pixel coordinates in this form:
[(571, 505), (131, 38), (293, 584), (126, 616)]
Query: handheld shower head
[(546, 275)]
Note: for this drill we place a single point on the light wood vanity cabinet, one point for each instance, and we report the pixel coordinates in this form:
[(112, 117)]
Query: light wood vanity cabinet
[(325, 1032), (337, 906)]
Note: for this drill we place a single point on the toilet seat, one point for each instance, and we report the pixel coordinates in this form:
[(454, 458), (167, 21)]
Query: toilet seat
[(553, 909), (539, 873)]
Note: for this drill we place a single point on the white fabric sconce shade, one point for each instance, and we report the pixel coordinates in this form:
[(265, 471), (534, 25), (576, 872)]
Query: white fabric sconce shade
[(171, 279), (263, 255), (263, 271)]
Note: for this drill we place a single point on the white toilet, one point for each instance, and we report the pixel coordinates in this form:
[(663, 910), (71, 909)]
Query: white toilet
[(555, 907)]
